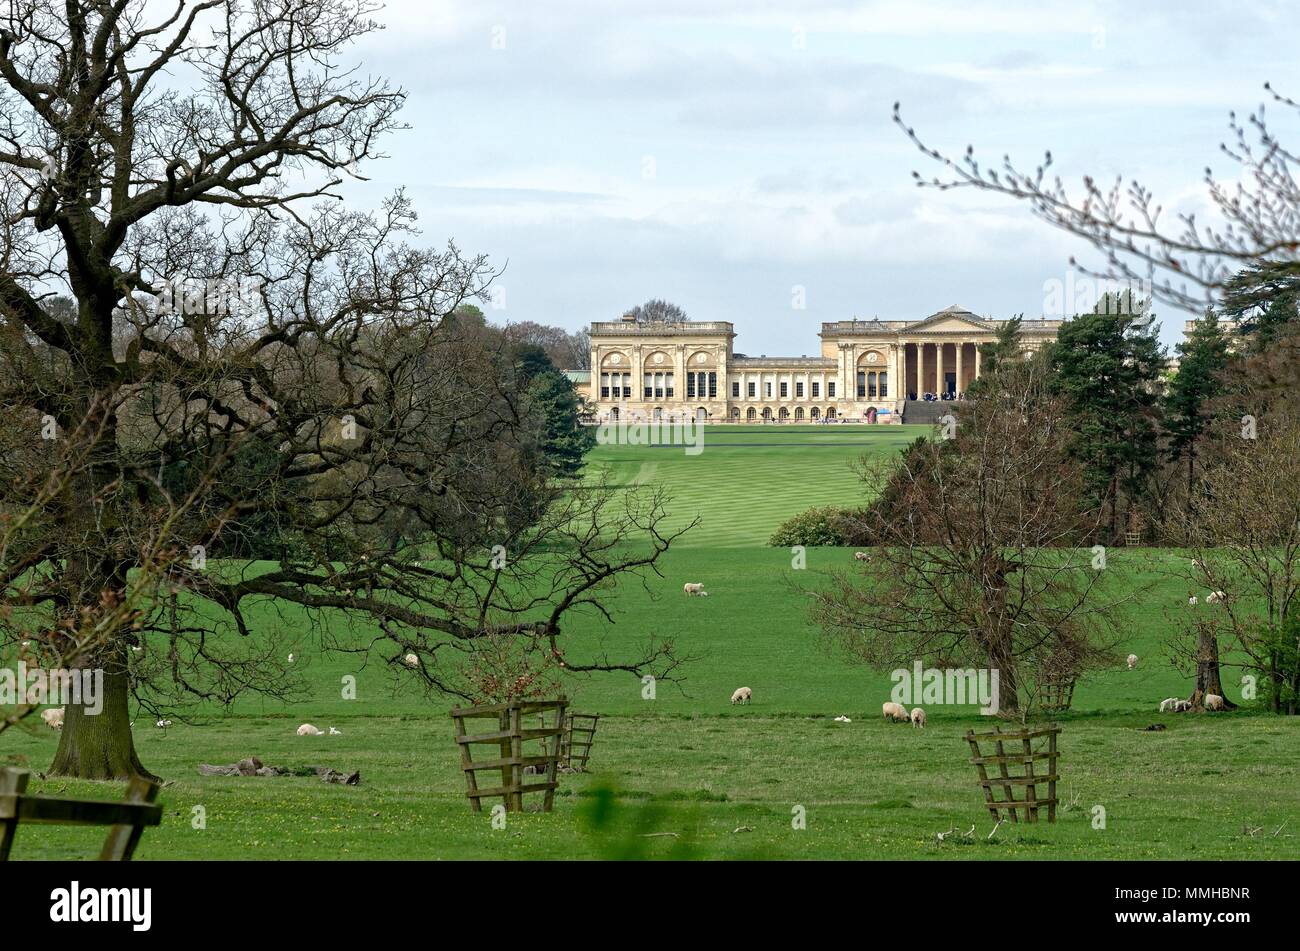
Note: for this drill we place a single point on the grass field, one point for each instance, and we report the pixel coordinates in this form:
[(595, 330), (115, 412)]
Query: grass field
[(725, 779)]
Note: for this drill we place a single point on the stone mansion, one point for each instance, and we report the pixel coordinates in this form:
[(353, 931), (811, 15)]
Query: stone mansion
[(872, 370)]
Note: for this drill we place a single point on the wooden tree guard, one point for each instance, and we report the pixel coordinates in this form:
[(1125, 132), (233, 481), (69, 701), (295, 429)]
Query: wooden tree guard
[(579, 737), (1055, 695), (510, 738), (1030, 780), (127, 817)]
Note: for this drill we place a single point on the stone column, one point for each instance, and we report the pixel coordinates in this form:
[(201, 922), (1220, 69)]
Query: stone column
[(938, 367), (977, 361), (961, 383)]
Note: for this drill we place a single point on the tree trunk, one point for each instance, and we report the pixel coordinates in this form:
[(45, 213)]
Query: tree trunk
[(100, 746), (1207, 670)]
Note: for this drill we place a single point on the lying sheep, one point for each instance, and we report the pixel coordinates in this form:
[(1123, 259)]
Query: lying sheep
[(895, 711), (1132, 661), (410, 660), (1214, 702), (861, 555), (742, 695), (1215, 597), (918, 717), (53, 718), (693, 587), (308, 730)]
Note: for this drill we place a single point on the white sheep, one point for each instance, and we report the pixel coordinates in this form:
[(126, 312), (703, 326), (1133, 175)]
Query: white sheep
[(860, 556), (291, 658), (1182, 706), (1132, 661), (1215, 597), (308, 730), (1193, 600), (693, 587), (334, 732), (1168, 704), (410, 660), (163, 724), (895, 711), (53, 718), (918, 717), (842, 719), (742, 695), (1214, 702)]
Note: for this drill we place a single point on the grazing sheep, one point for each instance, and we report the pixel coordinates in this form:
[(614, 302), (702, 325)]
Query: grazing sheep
[(410, 660), (1215, 597), (1193, 600), (860, 556), (693, 587), (291, 658), (1132, 661), (1182, 706), (894, 711), (53, 718), (163, 724), (918, 717), (1168, 705), (742, 695), (308, 730), (1214, 702)]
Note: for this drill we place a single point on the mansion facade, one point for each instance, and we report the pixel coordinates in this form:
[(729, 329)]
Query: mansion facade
[(871, 370)]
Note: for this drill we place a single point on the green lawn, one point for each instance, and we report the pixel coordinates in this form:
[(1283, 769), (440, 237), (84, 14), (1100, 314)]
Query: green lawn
[(725, 779)]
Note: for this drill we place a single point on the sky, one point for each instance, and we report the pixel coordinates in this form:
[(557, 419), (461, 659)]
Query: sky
[(740, 160)]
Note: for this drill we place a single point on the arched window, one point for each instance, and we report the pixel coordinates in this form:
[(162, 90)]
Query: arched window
[(735, 412), (767, 412), (659, 413), (785, 414), (814, 412), (613, 414), (830, 412), (750, 414), (798, 412)]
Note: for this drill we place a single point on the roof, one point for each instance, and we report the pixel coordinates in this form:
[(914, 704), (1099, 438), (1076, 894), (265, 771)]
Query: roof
[(578, 376)]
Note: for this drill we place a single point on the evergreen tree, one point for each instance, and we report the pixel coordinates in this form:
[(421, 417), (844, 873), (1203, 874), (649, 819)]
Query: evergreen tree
[(564, 442), (1202, 358), (1262, 298), (1004, 349), (1107, 364)]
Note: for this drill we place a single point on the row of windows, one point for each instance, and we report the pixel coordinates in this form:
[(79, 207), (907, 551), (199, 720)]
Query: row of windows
[(872, 385), (704, 385)]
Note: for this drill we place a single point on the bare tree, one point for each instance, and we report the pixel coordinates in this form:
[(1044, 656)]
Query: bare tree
[(1184, 261), (239, 340), (976, 563), (658, 311)]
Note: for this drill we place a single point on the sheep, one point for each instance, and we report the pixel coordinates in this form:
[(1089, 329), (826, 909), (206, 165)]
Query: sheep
[(1215, 597), (860, 556), (1132, 661), (1182, 706), (334, 732), (410, 660), (1193, 600), (704, 594), (53, 718), (894, 711), (693, 587), (918, 717), (842, 719), (1214, 702), (291, 658), (742, 695), (308, 730), (1169, 705), (163, 724)]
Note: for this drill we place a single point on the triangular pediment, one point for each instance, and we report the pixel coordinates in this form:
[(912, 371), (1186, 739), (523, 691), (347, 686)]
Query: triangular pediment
[(949, 319)]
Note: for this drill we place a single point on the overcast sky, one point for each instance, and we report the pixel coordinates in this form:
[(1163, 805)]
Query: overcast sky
[(722, 154)]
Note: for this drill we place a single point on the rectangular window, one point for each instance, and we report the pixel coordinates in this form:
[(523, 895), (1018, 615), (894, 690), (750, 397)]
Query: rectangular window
[(690, 386), (668, 385), (713, 385), (884, 385), (862, 385), (798, 390), (816, 390), (604, 386), (735, 389), (753, 389), (830, 389), (785, 387), (649, 386), (767, 390)]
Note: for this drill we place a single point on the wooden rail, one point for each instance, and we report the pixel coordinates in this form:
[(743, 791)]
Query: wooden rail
[(127, 817), (1025, 757), (514, 758)]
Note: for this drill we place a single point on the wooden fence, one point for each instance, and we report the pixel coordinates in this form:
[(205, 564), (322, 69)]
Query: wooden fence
[(127, 817), (520, 749), (579, 737), (1055, 696), (1028, 779)]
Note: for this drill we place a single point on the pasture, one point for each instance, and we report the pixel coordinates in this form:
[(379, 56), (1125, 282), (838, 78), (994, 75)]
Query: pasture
[(723, 780)]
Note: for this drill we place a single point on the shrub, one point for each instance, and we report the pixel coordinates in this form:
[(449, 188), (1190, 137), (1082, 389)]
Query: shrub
[(828, 525)]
